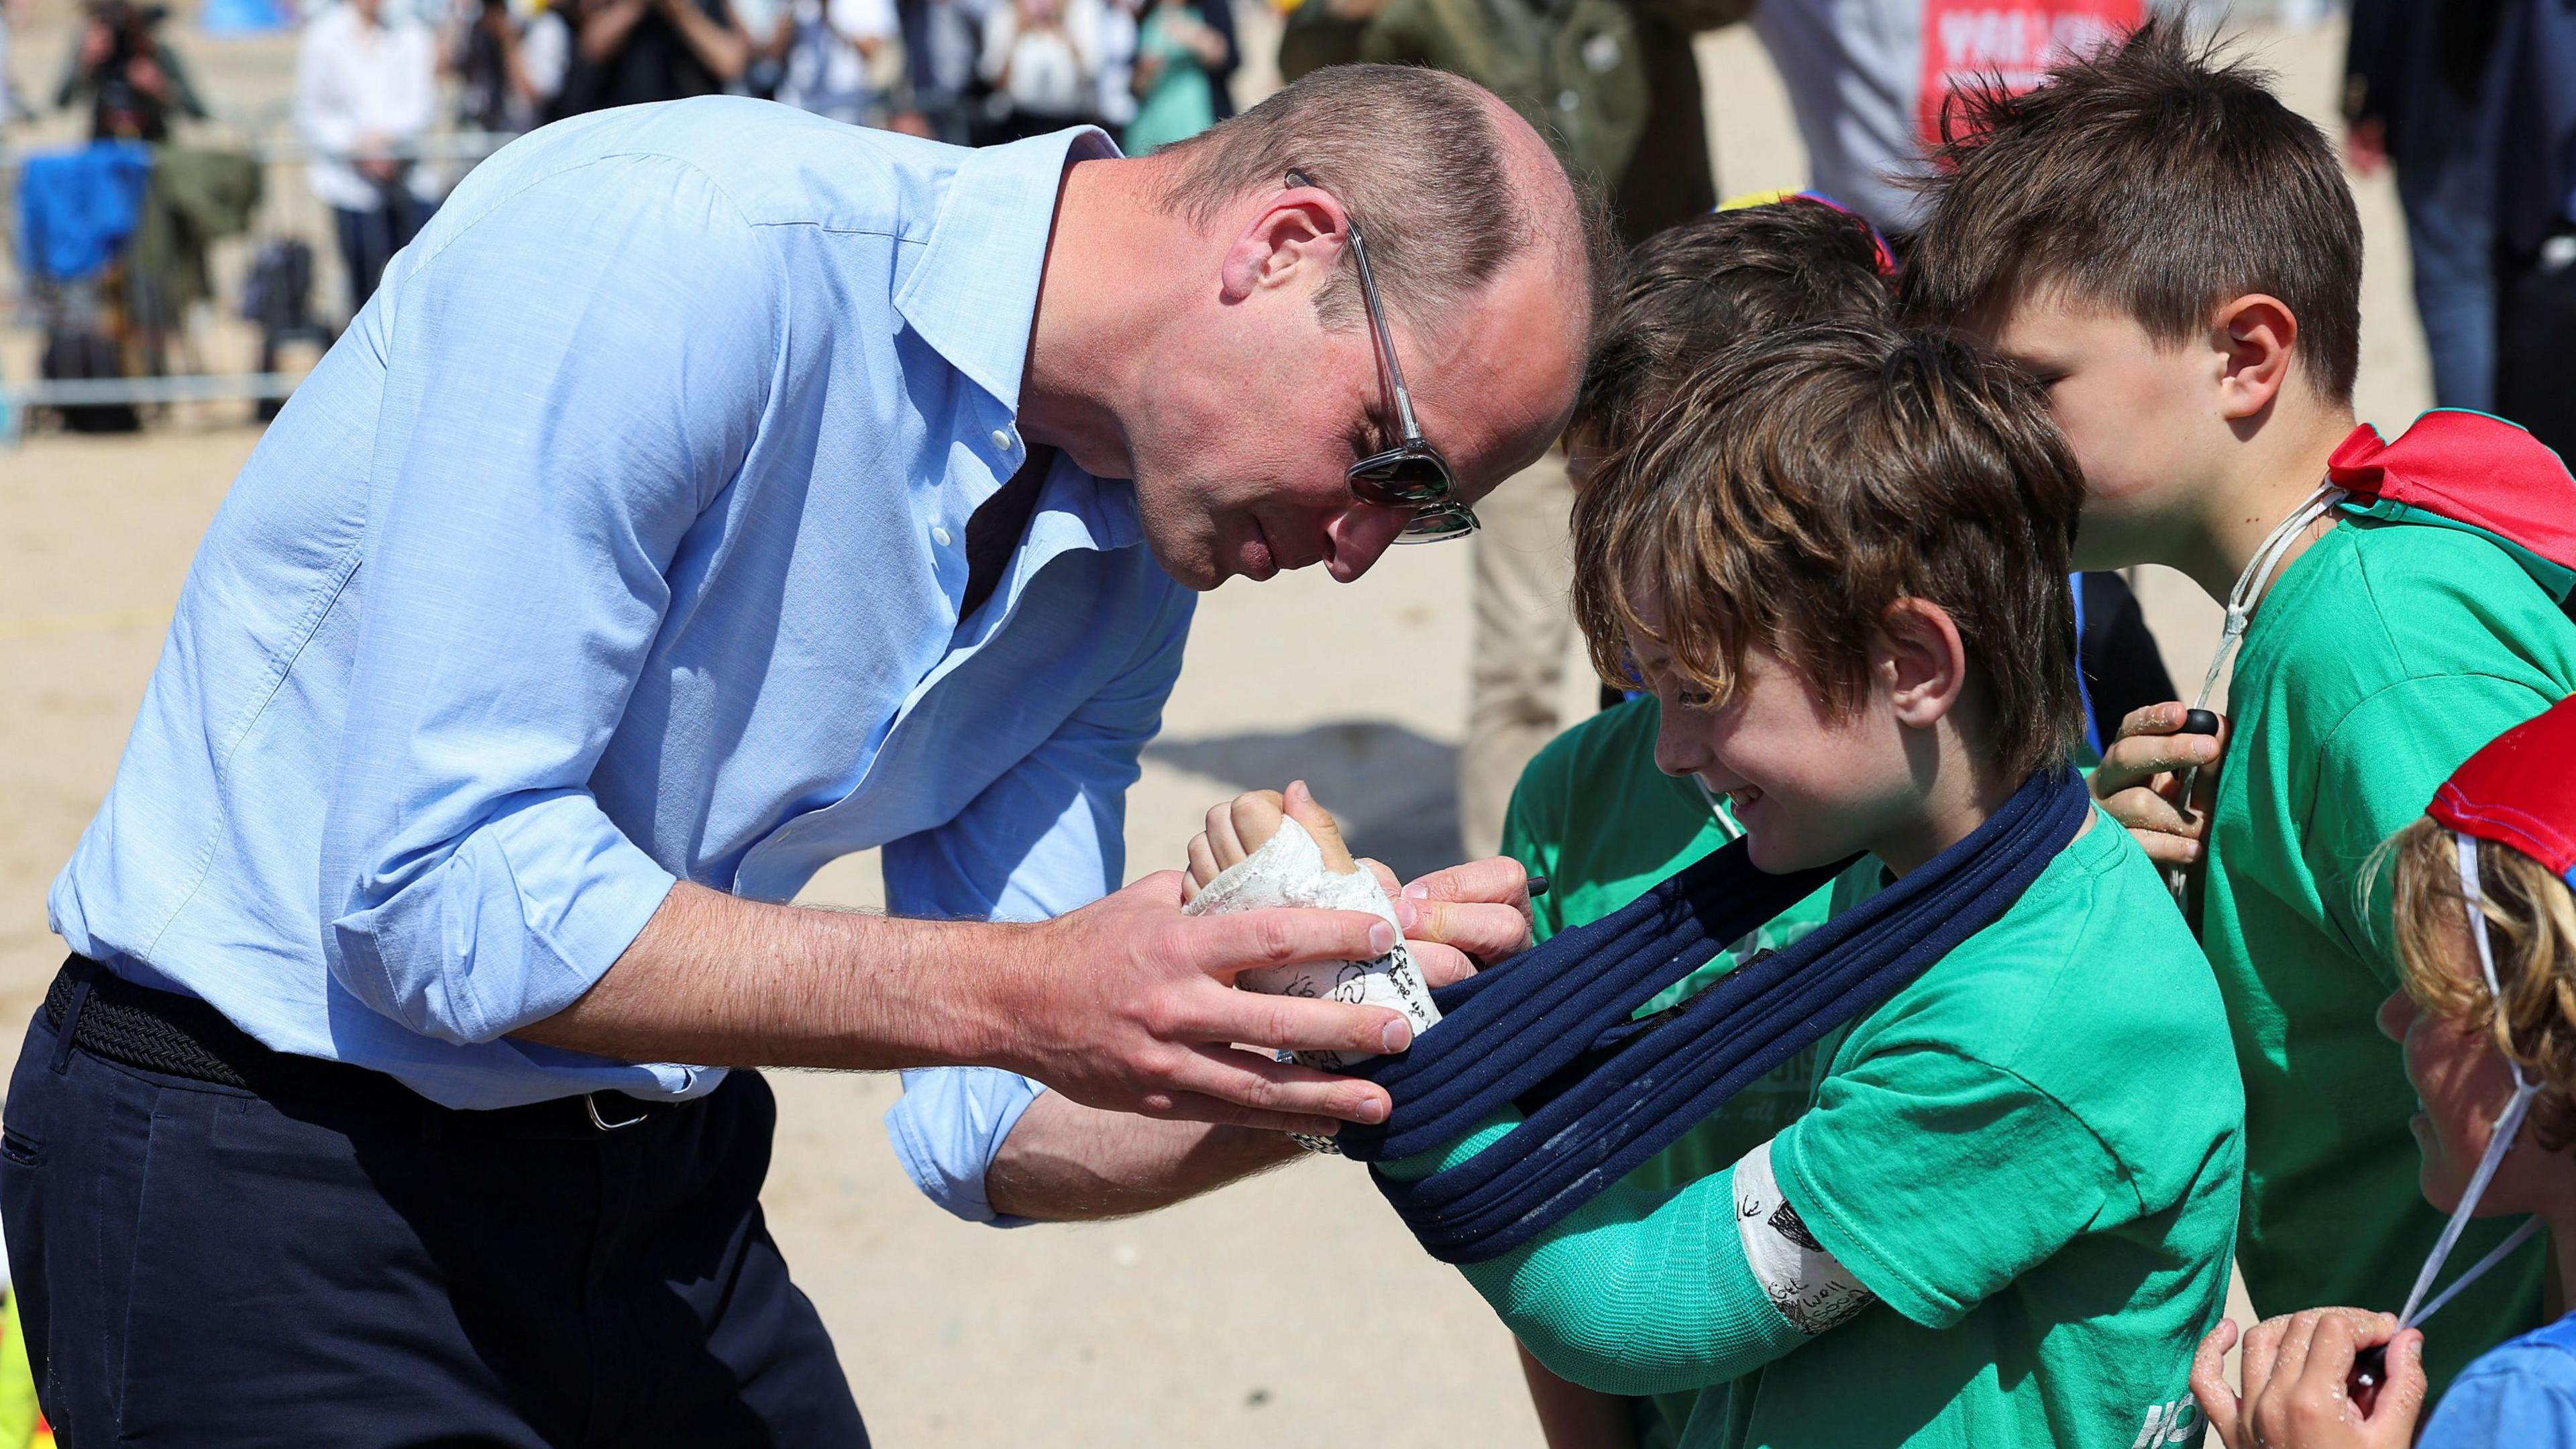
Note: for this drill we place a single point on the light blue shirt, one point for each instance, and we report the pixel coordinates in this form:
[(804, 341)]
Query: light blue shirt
[(2521, 1393), (621, 539)]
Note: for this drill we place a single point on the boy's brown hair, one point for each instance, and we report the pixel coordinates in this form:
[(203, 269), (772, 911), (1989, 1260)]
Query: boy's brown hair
[(1714, 281), (2531, 923), (1788, 494), (2151, 178)]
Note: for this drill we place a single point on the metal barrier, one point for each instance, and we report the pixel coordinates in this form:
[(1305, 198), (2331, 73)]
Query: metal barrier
[(287, 210)]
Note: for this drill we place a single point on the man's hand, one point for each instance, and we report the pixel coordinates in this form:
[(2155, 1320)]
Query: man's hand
[(2294, 1372), (1463, 919), (1125, 1004), (1128, 1004), (2141, 773)]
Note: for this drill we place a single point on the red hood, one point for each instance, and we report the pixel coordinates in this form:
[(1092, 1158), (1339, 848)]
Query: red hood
[(2472, 469)]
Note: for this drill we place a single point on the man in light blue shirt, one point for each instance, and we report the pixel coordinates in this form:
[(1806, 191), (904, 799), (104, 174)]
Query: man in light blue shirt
[(711, 491)]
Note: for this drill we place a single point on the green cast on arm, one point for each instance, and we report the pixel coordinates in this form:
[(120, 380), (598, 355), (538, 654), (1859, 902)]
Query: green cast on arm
[(1635, 1292)]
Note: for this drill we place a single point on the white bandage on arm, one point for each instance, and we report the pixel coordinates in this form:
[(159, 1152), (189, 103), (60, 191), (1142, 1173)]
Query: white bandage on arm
[(1810, 1288), (1289, 870)]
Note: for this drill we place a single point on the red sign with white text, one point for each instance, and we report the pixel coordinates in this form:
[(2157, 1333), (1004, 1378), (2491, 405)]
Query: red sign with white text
[(1965, 41)]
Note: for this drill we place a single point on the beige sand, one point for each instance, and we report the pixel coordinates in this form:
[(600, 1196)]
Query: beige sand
[(1271, 1314)]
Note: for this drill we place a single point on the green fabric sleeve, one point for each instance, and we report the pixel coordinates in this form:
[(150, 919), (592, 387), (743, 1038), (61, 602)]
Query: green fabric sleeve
[(1533, 829), (2377, 770), (1936, 1179), (1635, 1292)]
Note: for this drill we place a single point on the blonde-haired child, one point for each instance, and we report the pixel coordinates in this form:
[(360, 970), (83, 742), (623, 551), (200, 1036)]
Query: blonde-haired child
[(2485, 923)]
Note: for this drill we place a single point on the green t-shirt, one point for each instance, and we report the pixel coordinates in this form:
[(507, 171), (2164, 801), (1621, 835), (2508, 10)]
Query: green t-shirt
[(2031, 1156), (2383, 657), (1594, 815)]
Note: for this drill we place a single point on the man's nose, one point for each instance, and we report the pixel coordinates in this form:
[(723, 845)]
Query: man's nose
[(1361, 534)]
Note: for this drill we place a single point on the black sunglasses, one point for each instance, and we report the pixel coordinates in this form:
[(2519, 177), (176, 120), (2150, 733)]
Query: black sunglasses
[(1412, 474)]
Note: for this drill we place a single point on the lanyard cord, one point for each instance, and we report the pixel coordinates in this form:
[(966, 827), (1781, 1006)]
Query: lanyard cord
[(2499, 1143), (1717, 809), (2241, 600)]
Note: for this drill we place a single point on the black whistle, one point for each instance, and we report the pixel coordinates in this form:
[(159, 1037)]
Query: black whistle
[(2199, 722), (2369, 1371)]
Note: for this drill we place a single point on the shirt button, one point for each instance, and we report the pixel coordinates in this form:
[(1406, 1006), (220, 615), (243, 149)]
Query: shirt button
[(1001, 440), (940, 536)]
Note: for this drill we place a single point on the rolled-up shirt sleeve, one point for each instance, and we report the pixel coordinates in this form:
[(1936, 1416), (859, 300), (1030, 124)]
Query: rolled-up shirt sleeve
[(946, 1128), (553, 425), (1046, 838)]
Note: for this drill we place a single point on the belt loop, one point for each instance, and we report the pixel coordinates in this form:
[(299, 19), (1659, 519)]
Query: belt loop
[(590, 1103), (71, 1023)]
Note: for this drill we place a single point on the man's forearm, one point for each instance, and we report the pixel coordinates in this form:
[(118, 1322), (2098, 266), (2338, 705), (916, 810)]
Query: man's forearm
[(721, 981), (1065, 1162)]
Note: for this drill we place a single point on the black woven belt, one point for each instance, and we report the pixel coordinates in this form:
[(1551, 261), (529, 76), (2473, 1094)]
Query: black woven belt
[(180, 1036), (161, 1031)]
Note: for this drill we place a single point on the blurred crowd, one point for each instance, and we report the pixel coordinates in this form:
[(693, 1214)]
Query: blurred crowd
[(965, 71), (968, 71)]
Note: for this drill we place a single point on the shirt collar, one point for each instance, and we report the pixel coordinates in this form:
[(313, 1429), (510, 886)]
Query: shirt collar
[(973, 296)]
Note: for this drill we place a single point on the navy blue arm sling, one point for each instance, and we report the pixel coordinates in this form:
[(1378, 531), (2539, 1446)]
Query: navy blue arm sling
[(1551, 1029)]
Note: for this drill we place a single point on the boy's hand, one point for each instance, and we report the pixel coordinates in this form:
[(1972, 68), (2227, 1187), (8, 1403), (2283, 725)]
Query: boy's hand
[(2141, 772), (1456, 920), (1244, 824), (2294, 1372)]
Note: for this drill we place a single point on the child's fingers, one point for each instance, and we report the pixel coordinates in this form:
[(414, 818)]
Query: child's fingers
[(2143, 808), (1256, 816), (2262, 1345), (2322, 1374), (2401, 1393), (1224, 837), (1203, 867), (2291, 1356), (1319, 823), (2218, 1402), (2151, 743), (2158, 829)]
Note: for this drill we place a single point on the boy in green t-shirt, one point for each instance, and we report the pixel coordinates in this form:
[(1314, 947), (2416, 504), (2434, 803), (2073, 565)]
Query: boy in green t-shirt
[(2176, 254), (1839, 562)]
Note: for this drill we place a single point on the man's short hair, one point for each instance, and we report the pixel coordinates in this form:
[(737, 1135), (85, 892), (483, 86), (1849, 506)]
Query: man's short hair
[(1791, 491), (2151, 178), (1416, 160), (1694, 290)]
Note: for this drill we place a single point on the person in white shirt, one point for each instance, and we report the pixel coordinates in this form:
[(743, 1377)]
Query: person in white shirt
[(366, 89), (1042, 57), (828, 47)]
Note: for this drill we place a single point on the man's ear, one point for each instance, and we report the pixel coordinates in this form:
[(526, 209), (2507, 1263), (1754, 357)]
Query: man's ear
[(1922, 663), (1299, 228), (2255, 334)]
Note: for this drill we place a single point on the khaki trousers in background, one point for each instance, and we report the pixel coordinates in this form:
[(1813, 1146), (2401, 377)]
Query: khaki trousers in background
[(1524, 626)]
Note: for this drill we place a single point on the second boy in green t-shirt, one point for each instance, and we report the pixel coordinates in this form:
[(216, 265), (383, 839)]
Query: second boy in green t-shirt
[(2162, 241)]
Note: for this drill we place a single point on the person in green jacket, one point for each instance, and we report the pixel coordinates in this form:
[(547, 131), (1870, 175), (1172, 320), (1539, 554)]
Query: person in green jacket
[(1839, 563), (2176, 253)]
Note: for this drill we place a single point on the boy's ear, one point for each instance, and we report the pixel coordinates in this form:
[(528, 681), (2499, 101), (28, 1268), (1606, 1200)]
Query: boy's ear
[(1922, 663), (2255, 334)]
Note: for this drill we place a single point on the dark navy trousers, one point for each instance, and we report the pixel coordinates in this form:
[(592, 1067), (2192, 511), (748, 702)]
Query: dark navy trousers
[(199, 1265)]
